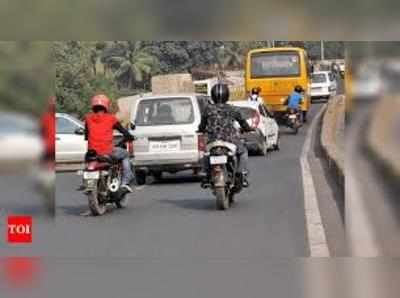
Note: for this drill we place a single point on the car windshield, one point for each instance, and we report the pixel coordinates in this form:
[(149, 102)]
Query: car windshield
[(16, 124), (318, 78), (164, 111), (275, 64), (247, 113)]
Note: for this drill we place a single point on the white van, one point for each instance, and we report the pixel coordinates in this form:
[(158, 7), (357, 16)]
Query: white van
[(165, 129), (323, 84)]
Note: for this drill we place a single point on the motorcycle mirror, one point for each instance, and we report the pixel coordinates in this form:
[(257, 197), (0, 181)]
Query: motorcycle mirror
[(132, 126), (79, 131)]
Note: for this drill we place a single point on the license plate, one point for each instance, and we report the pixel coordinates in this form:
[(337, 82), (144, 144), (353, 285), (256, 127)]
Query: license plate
[(292, 116), (91, 175), (218, 160), (167, 146)]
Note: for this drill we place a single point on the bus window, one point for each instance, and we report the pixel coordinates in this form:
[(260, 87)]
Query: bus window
[(275, 64)]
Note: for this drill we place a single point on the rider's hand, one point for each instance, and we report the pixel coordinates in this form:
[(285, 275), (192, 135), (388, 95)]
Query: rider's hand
[(130, 138)]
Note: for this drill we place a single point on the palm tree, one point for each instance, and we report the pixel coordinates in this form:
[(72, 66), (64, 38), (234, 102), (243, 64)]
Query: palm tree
[(229, 54), (130, 62)]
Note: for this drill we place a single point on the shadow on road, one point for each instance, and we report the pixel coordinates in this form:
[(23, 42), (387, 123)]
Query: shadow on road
[(71, 210), (174, 179), (193, 204)]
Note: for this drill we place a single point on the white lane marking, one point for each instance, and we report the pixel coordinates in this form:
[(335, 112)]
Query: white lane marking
[(315, 229)]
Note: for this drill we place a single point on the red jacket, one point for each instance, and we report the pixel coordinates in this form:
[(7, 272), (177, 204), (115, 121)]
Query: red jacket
[(49, 131), (99, 127)]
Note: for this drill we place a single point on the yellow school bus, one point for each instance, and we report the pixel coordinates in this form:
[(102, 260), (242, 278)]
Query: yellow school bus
[(277, 71)]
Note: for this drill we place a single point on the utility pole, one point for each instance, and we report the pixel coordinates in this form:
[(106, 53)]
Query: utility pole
[(322, 51)]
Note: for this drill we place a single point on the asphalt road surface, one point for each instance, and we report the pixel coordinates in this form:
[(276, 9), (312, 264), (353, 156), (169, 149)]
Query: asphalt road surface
[(172, 242)]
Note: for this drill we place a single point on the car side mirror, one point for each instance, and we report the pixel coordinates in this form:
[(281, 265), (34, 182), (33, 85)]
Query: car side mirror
[(79, 131), (132, 126)]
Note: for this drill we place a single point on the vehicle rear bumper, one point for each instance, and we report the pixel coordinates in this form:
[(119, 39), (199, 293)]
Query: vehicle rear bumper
[(322, 94), (172, 164), (172, 167), (253, 140)]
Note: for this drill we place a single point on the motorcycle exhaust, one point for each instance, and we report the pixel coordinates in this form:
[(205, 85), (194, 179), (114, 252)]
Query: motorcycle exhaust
[(114, 185)]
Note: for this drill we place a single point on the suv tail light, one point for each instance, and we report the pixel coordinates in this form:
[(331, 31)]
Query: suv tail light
[(129, 147), (255, 119), (201, 143)]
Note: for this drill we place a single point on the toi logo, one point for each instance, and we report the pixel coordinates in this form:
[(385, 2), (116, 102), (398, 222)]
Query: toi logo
[(19, 229)]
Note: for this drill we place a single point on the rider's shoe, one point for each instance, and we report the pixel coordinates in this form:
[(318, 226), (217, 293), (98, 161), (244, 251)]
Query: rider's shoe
[(127, 188), (205, 182)]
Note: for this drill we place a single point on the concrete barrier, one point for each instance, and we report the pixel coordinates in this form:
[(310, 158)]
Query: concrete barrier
[(333, 120), (382, 141)]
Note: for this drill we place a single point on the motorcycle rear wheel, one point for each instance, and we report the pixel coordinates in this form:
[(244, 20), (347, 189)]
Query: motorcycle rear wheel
[(96, 208), (222, 198)]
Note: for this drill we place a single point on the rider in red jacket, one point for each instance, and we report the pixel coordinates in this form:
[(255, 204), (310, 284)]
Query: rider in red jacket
[(99, 126), (48, 130)]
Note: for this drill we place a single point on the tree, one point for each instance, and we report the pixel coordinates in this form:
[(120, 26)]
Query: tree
[(130, 62)]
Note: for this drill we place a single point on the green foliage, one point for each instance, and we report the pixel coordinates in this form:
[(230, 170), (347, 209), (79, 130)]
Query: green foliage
[(76, 77), (26, 76), (125, 67)]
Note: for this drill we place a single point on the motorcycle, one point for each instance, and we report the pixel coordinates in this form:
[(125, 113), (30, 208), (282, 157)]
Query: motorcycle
[(293, 120), (223, 167), (102, 180)]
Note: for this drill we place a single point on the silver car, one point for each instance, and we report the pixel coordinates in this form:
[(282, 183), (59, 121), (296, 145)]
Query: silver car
[(165, 128)]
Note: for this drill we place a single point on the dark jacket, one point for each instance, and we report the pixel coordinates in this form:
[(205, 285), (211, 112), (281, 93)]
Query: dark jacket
[(217, 122)]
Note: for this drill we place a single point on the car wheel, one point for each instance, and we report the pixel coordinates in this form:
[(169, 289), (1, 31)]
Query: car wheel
[(157, 175), (278, 141), (140, 178)]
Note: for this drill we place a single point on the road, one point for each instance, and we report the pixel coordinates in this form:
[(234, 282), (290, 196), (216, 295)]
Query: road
[(171, 241)]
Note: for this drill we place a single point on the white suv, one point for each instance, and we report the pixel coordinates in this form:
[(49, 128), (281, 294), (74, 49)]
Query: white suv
[(323, 84)]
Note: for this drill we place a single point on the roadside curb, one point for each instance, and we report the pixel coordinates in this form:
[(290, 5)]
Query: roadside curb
[(380, 139), (330, 149)]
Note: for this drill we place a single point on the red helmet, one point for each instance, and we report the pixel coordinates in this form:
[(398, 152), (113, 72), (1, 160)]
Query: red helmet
[(101, 100)]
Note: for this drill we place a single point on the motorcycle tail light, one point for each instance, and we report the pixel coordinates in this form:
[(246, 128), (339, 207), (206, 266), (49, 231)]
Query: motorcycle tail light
[(201, 143), (130, 147), (92, 165)]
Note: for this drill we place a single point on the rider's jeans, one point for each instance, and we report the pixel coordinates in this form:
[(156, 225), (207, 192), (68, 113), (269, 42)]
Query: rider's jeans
[(243, 159), (123, 155)]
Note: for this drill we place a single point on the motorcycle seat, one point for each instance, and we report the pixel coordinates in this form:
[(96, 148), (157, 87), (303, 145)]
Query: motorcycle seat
[(108, 159)]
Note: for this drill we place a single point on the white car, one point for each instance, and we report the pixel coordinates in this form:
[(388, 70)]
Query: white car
[(20, 142), (70, 139), (323, 84), (166, 134), (266, 136)]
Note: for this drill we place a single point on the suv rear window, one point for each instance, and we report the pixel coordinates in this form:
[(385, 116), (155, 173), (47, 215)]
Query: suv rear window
[(247, 113), (164, 111), (318, 78)]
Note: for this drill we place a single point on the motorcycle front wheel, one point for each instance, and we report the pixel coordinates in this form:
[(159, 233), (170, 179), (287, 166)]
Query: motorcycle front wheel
[(96, 207), (222, 198)]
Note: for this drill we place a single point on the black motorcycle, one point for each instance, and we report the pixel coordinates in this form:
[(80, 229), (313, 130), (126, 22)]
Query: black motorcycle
[(102, 181), (293, 120), (223, 166)]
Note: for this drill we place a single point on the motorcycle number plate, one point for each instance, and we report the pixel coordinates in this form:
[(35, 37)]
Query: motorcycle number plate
[(292, 116), (91, 175), (218, 160)]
